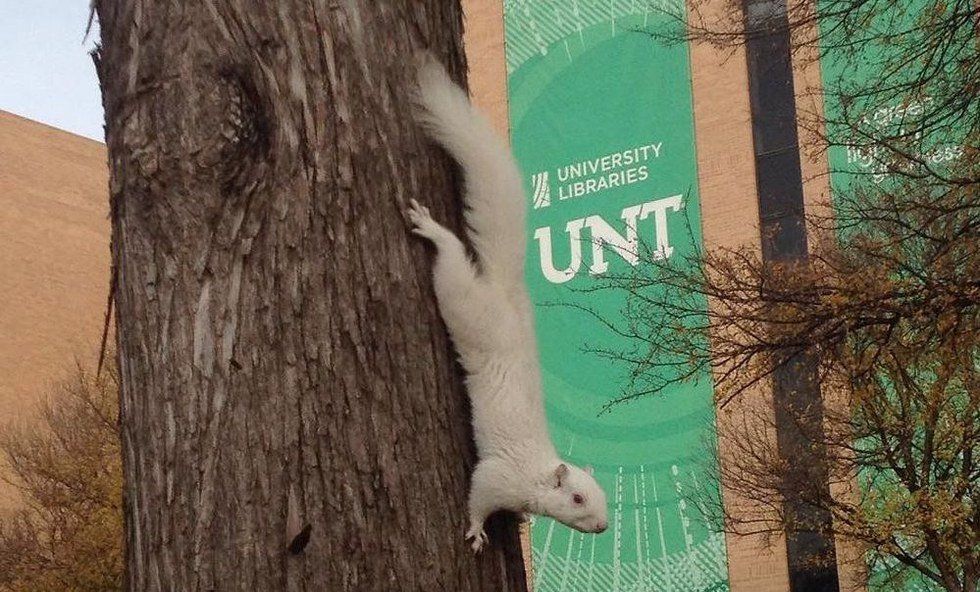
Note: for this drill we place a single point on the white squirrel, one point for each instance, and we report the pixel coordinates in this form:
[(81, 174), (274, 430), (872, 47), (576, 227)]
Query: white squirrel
[(488, 312)]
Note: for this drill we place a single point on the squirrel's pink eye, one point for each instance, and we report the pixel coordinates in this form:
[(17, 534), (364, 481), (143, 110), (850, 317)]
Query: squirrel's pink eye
[(578, 499)]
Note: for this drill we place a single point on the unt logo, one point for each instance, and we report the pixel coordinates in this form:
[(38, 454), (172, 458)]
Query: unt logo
[(542, 190), (601, 233)]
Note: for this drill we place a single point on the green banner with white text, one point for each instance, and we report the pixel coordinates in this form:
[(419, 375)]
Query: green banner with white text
[(602, 126)]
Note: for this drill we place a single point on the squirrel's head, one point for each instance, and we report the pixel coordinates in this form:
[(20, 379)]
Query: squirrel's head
[(575, 499)]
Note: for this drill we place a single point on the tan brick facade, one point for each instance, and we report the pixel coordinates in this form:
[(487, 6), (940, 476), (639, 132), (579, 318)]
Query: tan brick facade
[(730, 218), (807, 80), (54, 260)]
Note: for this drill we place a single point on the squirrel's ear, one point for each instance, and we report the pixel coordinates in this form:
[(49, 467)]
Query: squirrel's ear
[(589, 469), (560, 471)]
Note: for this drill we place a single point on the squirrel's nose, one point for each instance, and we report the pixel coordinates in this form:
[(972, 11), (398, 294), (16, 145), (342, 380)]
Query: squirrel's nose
[(601, 527)]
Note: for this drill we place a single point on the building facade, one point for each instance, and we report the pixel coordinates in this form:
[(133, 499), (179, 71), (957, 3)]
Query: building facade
[(54, 264), (624, 138)]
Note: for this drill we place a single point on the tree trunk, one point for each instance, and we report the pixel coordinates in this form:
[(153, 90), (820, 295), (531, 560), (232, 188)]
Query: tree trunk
[(282, 360)]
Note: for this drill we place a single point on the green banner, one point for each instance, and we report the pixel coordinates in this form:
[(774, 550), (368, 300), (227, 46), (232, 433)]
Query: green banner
[(602, 125), (881, 101)]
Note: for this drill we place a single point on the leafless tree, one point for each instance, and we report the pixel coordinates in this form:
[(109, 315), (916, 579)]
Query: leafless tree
[(66, 530)]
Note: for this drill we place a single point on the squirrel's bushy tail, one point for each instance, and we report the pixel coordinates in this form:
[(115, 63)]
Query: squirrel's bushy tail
[(494, 192)]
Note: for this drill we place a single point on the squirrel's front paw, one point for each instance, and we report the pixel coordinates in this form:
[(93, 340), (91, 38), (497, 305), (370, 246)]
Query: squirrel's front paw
[(479, 537), (422, 222)]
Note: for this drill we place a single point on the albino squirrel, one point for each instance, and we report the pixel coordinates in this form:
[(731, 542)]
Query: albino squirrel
[(488, 313)]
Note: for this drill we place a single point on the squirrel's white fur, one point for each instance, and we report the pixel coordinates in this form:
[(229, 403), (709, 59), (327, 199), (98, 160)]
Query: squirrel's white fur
[(488, 313)]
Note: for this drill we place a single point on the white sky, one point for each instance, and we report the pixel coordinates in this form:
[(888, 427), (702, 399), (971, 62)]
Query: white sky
[(46, 73)]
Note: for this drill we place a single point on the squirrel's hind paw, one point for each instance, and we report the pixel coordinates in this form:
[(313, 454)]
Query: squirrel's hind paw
[(479, 537)]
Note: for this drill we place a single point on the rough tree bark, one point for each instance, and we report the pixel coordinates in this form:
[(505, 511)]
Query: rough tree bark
[(282, 360)]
